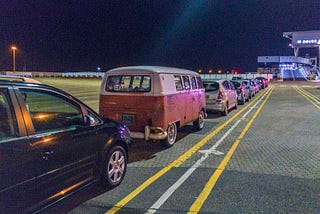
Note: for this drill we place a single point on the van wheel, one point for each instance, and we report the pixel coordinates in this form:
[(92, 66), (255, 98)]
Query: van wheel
[(199, 123), (172, 135), (114, 167)]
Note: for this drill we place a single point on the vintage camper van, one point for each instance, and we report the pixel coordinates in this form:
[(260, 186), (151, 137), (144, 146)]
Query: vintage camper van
[(153, 101)]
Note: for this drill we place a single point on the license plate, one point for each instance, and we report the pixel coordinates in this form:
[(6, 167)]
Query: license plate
[(127, 119)]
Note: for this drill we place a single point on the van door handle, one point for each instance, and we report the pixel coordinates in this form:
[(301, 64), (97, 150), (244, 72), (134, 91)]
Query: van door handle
[(46, 154)]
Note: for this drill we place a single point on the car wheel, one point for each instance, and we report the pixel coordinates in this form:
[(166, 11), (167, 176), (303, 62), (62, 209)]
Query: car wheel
[(199, 123), (171, 135), (114, 167), (236, 105)]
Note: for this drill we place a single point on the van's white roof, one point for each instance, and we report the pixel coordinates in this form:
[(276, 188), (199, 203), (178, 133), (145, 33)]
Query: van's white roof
[(152, 69)]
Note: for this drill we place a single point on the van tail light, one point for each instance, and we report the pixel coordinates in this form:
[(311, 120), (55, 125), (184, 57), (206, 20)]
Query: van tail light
[(220, 96)]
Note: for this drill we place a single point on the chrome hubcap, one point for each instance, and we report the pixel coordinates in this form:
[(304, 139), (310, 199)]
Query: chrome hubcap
[(116, 166)]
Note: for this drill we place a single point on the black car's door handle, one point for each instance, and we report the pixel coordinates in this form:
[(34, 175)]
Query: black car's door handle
[(46, 154)]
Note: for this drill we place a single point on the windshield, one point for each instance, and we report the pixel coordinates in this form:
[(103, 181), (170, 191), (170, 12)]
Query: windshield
[(212, 86)]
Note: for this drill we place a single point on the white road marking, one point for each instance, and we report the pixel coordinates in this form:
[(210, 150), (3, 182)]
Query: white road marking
[(153, 209)]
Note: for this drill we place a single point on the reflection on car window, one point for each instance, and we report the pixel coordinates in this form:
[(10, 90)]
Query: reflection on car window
[(186, 82), (51, 112), (129, 83), (178, 82), (7, 122), (193, 83), (212, 86)]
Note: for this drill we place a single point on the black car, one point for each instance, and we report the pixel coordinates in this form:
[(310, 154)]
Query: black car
[(51, 144)]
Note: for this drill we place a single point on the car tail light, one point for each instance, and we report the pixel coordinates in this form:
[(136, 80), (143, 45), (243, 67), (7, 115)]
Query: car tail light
[(220, 95)]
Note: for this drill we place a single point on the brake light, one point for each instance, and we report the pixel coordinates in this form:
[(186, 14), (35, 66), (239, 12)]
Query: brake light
[(220, 96)]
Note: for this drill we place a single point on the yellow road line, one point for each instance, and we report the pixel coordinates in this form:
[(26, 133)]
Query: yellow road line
[(176, 162), (309, 94), (305, 95), (196, 206)]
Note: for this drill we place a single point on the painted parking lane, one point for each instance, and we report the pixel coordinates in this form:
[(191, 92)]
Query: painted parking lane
[(276, 167), (196, 206), (309, 96), (177, 162)]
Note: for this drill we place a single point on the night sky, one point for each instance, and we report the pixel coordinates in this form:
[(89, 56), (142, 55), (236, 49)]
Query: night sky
[(61, 35)]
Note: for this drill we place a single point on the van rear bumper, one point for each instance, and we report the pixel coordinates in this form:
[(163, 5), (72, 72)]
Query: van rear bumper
[(153, 133)]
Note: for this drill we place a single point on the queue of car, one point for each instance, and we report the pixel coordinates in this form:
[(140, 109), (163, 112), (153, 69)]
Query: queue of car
[(51, 143), (222, 95)]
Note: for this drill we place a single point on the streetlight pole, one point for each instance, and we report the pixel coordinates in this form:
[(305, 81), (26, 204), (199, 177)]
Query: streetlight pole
[(14, 48)]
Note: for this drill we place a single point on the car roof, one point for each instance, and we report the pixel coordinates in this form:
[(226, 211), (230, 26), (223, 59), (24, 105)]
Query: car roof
[(152, 69), (13, 78), (213, 80)]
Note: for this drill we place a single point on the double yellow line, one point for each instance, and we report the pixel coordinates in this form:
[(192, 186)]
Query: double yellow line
[(310, 97), (196, 206), (178, 161)]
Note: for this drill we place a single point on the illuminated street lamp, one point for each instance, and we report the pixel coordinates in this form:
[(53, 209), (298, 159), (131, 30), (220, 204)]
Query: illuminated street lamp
[(14, 48), (200, 71)]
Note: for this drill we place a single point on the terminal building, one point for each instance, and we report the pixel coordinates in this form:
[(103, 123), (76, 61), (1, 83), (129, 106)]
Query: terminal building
[(295, 67)]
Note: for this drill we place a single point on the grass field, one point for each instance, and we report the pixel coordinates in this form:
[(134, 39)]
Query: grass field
[(86, 90)]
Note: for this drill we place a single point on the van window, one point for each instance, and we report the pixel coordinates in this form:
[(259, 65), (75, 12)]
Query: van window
[(186, 82), (178, 82), (128, 83), (200, 83), (193, 83)]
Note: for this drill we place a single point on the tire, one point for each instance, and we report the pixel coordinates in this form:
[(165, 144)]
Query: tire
[(171, 135), (114, 167), (199, 123)]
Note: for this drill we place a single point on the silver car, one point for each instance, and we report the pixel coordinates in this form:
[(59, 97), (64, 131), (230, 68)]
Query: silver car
[(220, 95)]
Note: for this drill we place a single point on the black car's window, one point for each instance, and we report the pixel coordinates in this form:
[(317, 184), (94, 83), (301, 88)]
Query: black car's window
[(8, 127), (211, 86), (186, 82), (50, 112), (129, 83)]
